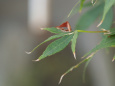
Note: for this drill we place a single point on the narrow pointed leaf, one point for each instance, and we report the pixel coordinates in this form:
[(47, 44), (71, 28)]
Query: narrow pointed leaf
[(108, 20), (81, 4), (76, 8), (106, 42), (73, 9), (56, 46), (89, 17), (73, 45), (108, 5), (86, 64), (53, 30), (74, 67), (50, 38)]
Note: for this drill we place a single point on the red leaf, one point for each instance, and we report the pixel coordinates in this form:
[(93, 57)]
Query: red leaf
[(65, 24)]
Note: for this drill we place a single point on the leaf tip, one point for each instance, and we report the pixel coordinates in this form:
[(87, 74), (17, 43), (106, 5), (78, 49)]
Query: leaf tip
[(93, 3), (74, 55), (42, 28), (100, 23), (80, 11), (61, 78), (28, 52), (113, 60), (106, 31), (36, 60)]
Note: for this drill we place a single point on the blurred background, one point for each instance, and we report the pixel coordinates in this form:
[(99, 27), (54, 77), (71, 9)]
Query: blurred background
[(20, 23)]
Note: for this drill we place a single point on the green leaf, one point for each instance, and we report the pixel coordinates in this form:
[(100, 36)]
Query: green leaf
[(89, 59), (73, 45), (108, 5), (56, 46), (50, 38), (106, 42), (108, 20), (53, 30), (113, 58), (86, 64), (76, 8), (112, 30), (89, 17), (76, 66), (81, 4)]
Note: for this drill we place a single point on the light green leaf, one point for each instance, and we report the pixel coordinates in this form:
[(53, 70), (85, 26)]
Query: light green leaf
[(50, 38), (73, 45), (89, 17), (89, 59), (106, 42), (73, 9), (81, 4), (108, 20), (53, 30), (76, 8), (108, 5), (74, 67), (86, 64), (56, 46)]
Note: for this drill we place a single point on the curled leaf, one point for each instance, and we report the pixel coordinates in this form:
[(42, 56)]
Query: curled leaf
[(65, 24)]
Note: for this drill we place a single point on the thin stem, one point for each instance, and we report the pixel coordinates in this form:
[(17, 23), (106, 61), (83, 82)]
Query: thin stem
[(91, 31)]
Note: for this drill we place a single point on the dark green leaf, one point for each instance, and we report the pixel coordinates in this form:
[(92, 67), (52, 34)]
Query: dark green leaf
[(56, 46)]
